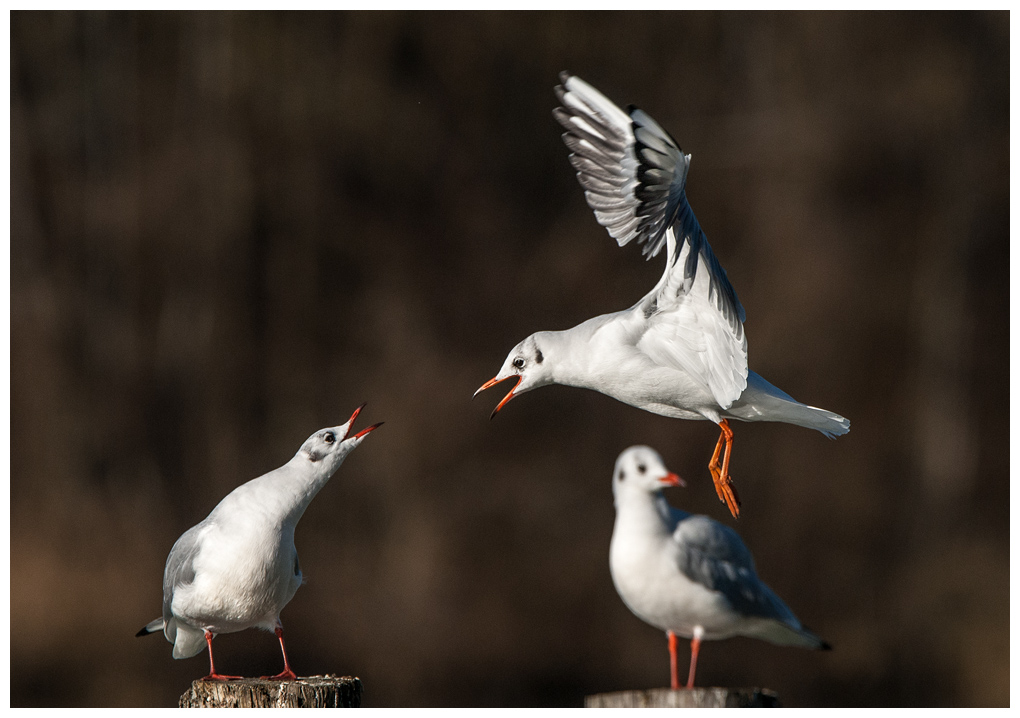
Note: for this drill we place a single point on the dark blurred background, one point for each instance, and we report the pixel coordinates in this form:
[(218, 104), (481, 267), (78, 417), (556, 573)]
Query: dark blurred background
[(230, 229)]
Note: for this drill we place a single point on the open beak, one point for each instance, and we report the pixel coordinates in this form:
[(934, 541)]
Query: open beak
[(350, 424), (672, 479), (491, 383)]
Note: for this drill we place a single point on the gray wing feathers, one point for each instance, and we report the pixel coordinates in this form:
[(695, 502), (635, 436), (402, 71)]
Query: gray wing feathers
[(180, 568), (633, 174), (601, 144), (179, 572), (682, 331), (724, 296), (713, 555)]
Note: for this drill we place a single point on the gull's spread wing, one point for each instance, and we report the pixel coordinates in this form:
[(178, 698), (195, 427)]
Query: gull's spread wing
[(634, 176)]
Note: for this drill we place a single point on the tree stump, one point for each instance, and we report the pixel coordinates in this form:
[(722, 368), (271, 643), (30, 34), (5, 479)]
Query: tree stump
[(693, 698), (327, 691)]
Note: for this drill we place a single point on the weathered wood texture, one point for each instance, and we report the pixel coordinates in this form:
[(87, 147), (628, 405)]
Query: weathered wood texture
[(312, 692), (694, 698)]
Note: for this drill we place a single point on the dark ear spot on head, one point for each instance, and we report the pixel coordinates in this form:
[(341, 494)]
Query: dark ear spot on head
[(538, 355), (619, 476), (314, 454)]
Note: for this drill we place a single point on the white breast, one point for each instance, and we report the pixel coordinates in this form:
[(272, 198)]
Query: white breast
[(648, 580), (244, 576)]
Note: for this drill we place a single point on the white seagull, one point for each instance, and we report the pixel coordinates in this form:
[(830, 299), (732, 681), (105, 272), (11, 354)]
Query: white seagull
[(238, 568), (681, 350), (685, 574)]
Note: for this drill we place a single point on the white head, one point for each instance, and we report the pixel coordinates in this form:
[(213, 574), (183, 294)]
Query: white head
[(640, 470), (326, 448), (527, 364)]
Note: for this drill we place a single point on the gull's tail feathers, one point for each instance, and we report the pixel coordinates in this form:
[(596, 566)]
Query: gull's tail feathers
[(762, 401), (784, 634), (187, 641), (151, 627)]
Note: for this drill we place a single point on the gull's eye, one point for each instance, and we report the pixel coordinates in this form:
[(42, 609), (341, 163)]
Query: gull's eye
[(519, 362), (330, 437), (641, 468)]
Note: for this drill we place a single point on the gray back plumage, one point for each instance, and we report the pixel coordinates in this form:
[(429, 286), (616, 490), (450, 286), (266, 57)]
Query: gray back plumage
[(714, 556)]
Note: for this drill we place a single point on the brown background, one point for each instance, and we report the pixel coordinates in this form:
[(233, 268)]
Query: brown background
[(228, 230)]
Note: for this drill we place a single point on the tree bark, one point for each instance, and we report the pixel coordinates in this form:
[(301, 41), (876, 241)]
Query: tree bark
[(327, 691), (694, 698)]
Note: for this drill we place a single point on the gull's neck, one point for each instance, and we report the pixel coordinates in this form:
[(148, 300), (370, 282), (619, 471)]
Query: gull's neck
[(302, 492), (570, 355), (284, 494), (642, 514)]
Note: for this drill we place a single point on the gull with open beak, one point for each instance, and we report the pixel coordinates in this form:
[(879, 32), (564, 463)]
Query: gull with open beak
[(239, 567), (681, 350)]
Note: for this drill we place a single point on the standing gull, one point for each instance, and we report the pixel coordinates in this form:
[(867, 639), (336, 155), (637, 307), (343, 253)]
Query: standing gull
[(685, 574), (238, 568), (681, 350)]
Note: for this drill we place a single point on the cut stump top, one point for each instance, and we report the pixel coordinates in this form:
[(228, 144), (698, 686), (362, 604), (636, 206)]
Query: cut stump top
[(327, 691), (693, 698)]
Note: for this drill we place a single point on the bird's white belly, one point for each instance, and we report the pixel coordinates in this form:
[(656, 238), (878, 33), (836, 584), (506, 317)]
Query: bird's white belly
[(238, 584), (655, 590), (660, 390)]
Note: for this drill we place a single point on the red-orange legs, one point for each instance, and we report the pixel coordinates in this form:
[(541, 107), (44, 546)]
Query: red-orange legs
[(213, 675), (695, 647), (674, 681), (721, 475), (287, 674)]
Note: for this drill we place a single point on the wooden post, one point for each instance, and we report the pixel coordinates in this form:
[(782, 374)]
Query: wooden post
[(312, 692), (694, 698)]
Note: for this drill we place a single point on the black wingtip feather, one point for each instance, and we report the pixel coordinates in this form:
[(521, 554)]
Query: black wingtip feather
[(144, 632)]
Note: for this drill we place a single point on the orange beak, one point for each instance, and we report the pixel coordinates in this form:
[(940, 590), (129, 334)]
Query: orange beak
[(491, 383), (672, 479), (350, 424)]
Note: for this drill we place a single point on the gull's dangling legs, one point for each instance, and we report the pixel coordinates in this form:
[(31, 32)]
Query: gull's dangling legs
[(721, 477), (213, 675), (287, 674)]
